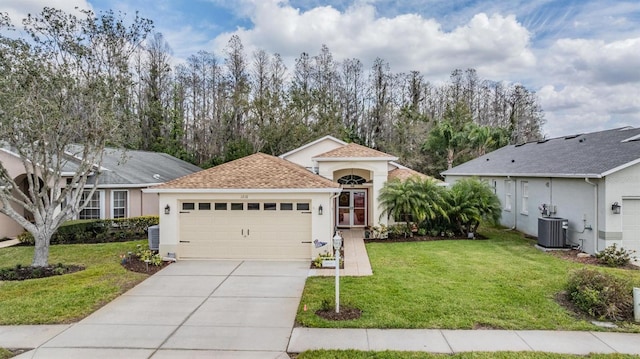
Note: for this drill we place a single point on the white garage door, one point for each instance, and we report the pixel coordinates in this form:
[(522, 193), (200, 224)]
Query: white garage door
[(245, 230), (631, 225)]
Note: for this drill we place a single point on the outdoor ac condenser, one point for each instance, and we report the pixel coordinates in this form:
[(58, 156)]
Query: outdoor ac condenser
[(552, 232), (154, 237)]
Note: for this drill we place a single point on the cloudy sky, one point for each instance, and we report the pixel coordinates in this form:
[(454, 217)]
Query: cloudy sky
[(582, 57)]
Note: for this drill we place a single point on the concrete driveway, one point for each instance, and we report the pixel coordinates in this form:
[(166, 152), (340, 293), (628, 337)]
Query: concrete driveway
[(195, 309)]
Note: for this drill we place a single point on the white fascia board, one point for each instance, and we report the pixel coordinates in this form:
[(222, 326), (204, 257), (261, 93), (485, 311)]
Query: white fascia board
[(541, 175), (619, 168), (10, 152), (399, 165), (311, 144), (354, 159), (124, 185), (241, 190)]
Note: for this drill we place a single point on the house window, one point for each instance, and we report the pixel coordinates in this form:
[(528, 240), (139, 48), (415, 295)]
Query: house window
[(507, 195), (221, 206), (204, 206), (119, 204), (286, 206), (188, 206), (525, 197), (93, 208), (253, 206), (302, 206), (269, 206), (237, 206)]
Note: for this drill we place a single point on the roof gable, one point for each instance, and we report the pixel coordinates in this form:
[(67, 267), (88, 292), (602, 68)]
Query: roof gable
[(257, 171), (593, 155), (354, 150)]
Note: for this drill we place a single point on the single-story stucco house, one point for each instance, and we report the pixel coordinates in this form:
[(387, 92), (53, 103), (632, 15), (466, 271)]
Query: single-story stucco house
[(268, 207), (590, 179), (122, 177)]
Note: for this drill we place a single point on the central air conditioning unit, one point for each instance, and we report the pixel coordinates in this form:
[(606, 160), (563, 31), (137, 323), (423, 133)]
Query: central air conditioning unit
[(154, 237), (552, 232)]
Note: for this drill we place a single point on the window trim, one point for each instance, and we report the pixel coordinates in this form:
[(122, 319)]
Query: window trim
[(101, 200), (126, 205), (525, 197)]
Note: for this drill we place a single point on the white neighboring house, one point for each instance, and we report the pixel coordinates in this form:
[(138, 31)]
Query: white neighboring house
[(119, 193), (591, 179), (268, 207)]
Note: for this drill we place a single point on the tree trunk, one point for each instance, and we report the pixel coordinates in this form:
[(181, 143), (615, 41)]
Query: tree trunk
[(41, 253)]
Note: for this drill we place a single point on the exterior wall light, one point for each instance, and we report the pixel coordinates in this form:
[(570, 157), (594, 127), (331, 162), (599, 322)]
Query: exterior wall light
[(615, 208), (320, 210), (167, 209)]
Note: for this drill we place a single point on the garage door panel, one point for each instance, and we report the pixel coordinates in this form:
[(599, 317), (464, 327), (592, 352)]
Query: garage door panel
[(245, 234)]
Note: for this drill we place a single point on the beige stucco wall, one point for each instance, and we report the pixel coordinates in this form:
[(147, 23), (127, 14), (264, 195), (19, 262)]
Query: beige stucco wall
[(322, 225), (305, 156)]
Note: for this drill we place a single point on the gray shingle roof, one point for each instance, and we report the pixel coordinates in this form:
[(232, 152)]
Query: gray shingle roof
[(593, 154), (141, 167)]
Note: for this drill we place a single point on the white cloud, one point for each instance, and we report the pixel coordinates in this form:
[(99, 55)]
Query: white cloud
[(492, 44), (19, 9), (595, 61)]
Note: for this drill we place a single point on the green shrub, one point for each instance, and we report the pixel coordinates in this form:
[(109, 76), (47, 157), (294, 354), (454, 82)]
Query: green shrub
[(26, 238), (98, 231), (146, 255), (613, 256), (600, 295)]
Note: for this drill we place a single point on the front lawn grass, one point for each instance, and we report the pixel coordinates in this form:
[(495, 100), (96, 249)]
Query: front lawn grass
[(499, 283), (70, 297), (354, 354)]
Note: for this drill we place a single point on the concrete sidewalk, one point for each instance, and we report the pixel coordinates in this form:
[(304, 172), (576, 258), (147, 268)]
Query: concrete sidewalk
[(456, 341)]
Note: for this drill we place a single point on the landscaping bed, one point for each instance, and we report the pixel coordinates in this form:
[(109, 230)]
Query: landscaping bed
[(20, 272), (134, 264)]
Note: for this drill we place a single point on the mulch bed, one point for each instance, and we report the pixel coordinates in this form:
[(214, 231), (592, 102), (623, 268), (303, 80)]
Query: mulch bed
[(416, 238), (24, 273), (136, 265), (346, 313), (572, 255)]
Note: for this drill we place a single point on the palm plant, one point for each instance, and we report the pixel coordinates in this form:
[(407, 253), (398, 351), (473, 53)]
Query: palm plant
[(412, 200), (471, 201)]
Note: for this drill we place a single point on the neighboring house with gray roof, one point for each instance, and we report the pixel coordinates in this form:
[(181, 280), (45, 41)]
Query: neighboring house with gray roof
[(591, 179), (122, 177)]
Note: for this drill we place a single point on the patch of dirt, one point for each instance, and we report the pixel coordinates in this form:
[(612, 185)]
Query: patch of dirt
[(416, 238), (134, 264), (346, 313), (572, 255), (24, 273)]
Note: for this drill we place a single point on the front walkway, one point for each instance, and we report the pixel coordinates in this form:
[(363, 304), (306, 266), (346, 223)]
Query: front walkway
[(197, 309), (356, 259)]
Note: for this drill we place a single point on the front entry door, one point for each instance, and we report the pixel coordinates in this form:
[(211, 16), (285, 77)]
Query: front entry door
[(352, 208)]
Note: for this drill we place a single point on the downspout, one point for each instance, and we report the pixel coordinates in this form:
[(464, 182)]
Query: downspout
[(595, 201), (332, 203)]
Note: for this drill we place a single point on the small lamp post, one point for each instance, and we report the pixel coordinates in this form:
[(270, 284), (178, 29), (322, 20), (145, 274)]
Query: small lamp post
[(337, 243)]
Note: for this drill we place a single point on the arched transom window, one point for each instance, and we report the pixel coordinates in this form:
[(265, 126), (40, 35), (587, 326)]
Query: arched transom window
[(351, 180)]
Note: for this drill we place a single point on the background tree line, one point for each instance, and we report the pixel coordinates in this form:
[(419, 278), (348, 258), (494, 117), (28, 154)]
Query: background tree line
[(215, 108)]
